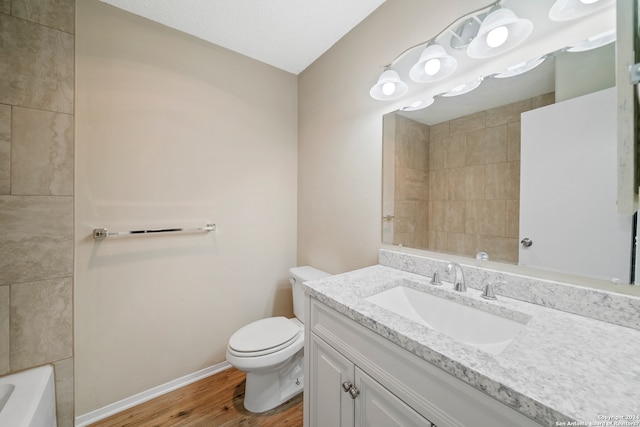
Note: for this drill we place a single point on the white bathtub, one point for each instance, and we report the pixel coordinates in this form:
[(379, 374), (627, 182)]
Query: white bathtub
[(27, 399)]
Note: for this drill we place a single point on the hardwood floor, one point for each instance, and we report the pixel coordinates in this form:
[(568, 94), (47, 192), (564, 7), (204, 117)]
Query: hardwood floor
[(212, 402)]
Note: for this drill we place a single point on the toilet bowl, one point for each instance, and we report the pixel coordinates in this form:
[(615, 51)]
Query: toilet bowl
[(270, 351)]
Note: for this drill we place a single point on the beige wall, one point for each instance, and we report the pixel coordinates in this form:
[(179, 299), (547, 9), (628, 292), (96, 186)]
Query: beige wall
[(36, 191), (339, 213), (173, 131), (340, 133)]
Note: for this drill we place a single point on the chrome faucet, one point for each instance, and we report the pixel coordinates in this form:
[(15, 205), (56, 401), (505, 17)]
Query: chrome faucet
[(458, 285)]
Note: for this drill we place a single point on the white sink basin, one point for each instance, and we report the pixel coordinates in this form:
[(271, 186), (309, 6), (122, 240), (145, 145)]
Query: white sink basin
[(486, 331)]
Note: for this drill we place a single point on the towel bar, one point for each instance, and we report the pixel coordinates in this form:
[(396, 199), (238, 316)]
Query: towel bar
[(103, 233)]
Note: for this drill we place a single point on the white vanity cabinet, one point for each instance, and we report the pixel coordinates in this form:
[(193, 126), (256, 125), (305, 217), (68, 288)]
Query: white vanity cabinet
[(343, 395), (391, 386)]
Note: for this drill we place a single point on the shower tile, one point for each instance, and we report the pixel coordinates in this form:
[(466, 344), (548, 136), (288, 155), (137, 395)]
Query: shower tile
[(404, 239), (543, 100), (486, 146), (4, 329), (412, 144), (439, 185), (475, 121), (485, 217), (501, 249), (464, 244), (467, 183), (64, 392), (36, 240), (58, 14), (404, 223), (448, 216), (503, 181), (405, 212), (513, 141), (438, 240), (440, 130), (41, 153), (513, 218), (411, 184), (5, 149), (447, 153), (509, 113), (37, 65), (422, 221), (41, 322), (438, 214), (437, 154)]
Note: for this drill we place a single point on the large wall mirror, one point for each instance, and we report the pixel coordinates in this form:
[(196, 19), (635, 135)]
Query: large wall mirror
[(523, 169)]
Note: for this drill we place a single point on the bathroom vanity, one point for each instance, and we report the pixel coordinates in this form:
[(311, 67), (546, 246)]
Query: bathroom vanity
[(375, 357)]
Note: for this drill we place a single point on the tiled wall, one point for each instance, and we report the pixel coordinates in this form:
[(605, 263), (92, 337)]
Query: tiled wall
[(471, 184), (411, 191), (36, 190)]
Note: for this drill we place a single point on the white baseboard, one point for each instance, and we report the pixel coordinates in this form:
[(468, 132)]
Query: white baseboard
[(114, 408)]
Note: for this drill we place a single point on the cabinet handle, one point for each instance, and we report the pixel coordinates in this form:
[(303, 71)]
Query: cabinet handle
[(354, 392), (350, 388)]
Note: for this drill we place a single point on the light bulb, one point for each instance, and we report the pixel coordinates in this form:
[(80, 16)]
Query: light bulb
[(388, 88), (589, 1), (497, 36), (432, 66)]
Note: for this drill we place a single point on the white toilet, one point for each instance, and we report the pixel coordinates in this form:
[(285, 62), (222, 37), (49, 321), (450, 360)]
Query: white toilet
[(270, 351)]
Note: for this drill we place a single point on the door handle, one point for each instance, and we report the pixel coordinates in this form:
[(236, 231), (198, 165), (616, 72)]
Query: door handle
[(526, 242)]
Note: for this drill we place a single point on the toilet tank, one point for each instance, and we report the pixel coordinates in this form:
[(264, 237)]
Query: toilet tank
[(298, 275)]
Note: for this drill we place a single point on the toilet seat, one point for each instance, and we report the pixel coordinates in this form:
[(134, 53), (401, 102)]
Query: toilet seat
[(264, 337)]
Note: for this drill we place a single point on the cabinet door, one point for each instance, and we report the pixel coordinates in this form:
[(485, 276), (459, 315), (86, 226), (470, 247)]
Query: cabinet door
[(378, 407), (330, 405)]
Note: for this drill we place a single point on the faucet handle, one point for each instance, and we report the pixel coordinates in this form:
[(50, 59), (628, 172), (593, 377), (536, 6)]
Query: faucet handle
[(435, 280), (488, 292)]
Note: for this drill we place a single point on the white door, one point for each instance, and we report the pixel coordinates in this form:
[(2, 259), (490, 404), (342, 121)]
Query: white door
[(378, 407), (330, 405), (568, 187)]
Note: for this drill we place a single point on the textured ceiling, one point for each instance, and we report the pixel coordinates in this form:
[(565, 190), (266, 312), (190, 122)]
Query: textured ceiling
[(288, 34)]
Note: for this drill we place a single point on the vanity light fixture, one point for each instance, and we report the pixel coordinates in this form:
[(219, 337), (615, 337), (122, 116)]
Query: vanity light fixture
[(418, 105), (595, 42), (389, 86), (483, 33), (566, 10), (499, 32), (465, 32), (464, 88), (434, 64), (521, 68)]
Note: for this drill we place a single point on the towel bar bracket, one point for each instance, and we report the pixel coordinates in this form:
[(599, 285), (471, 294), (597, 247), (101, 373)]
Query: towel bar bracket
[(100, 233)]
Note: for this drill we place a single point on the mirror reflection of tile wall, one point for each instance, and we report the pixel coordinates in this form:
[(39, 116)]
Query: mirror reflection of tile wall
[(457, 183)]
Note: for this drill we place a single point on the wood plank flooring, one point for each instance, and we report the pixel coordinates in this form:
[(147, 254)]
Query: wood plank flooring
[(215, 401)]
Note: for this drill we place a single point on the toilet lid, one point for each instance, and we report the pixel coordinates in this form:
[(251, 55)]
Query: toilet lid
[(264, 334)]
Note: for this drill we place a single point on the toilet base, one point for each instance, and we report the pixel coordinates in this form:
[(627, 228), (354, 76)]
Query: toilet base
[(266, 390)]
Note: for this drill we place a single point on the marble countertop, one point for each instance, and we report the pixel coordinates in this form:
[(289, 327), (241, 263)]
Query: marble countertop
[(561, 367)]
